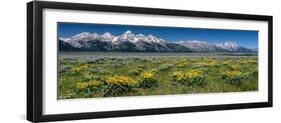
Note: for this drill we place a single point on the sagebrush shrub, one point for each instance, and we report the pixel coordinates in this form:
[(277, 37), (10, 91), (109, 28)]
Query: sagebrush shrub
[(135, 71)]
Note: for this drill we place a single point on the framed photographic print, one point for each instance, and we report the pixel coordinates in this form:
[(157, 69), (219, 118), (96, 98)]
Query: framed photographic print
[(96, 61)]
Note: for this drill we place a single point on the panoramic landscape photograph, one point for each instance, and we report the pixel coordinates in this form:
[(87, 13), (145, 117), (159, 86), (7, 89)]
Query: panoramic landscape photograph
[(107, 60)]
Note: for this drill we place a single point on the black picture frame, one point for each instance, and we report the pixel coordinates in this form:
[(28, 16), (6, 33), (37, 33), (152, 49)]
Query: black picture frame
[(35, 69)]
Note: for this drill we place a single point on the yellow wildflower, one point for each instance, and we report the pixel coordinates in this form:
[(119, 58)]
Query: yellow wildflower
[(232, 73), (207, 62), (193, 74), (81, 85), (249, 61), (120, 80), (79, 68), (182, 64), (234, 77), (147, 80), (141, 66), (227, 62), (147, 75), (235, 67), (94, 83), (192, 77), (178, 74)]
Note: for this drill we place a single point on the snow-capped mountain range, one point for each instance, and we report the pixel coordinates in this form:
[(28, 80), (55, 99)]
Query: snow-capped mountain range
[(130, 42)]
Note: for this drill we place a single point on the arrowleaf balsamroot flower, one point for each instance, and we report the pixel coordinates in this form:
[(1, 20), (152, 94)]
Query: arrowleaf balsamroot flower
[(190, 78), (147, 80), (234, 77), (120, 80), (84, 85), (249, 61), (118, 85), (208, 62)]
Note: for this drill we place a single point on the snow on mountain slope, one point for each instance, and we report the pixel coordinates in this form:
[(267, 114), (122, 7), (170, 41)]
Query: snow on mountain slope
[(228, 45), (139, 42), (198, 45), (108, 37)]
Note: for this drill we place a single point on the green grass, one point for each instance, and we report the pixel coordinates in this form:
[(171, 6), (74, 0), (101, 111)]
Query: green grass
[(73, 71)]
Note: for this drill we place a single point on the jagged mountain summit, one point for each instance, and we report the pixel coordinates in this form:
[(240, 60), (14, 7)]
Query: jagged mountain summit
[(130, 42)]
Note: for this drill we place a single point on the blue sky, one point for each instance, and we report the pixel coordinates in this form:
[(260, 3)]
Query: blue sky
[(172, 34)]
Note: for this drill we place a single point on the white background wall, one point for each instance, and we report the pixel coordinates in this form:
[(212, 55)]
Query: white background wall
[(13, 61)]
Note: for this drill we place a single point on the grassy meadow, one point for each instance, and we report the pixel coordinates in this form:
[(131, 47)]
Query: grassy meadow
[(133, 75)]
